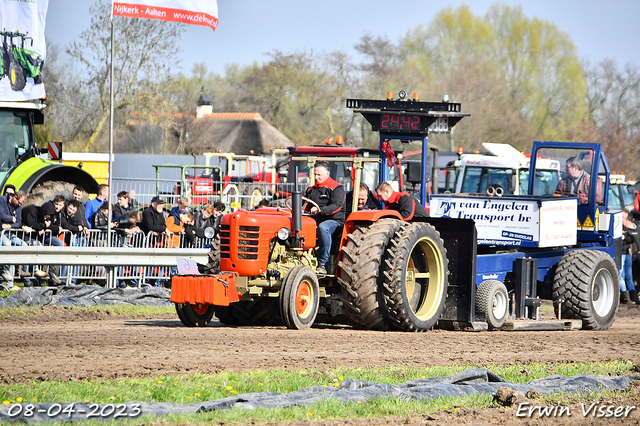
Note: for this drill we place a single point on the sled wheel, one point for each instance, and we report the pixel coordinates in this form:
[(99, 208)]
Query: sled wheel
[(492, 299), (586, 286), (416, 277), (197, 315), (299, 298)]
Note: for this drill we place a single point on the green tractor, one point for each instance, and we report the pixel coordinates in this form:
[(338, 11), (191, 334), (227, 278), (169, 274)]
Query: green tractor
[(19, 63), (20, 165)]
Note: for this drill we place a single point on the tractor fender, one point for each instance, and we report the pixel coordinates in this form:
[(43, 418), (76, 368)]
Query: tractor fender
[(369, 216), (37, 170)]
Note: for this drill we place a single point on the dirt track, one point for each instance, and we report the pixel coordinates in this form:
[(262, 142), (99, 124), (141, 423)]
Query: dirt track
[(67, 344)]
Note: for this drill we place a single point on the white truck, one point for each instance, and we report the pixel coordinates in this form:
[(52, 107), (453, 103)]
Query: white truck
[(504, 171)]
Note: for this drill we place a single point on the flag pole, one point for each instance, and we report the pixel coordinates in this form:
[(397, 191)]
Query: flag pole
[(110, 271)]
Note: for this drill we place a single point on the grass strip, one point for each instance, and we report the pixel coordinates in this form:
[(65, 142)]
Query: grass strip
[(116, 310), (197, 387)]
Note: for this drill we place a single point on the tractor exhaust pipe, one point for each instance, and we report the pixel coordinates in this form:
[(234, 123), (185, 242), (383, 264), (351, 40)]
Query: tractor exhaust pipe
[(296, 211)]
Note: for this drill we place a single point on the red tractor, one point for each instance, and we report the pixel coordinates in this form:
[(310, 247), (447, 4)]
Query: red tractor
[(378, 267)]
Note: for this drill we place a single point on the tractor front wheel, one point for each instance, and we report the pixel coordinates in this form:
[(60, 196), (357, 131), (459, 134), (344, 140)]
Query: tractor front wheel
[(299, 298)]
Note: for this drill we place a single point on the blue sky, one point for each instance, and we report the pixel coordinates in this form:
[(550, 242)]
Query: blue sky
[(250, 28)]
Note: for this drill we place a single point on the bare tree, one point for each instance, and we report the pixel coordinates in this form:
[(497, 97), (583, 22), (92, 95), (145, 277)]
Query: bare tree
[(145, 54)]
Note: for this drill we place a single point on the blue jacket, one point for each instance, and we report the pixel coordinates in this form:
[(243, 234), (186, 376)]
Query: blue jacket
[(91, 207)]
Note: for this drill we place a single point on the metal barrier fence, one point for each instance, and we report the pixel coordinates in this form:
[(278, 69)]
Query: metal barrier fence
[(234, 195), (134, 258)]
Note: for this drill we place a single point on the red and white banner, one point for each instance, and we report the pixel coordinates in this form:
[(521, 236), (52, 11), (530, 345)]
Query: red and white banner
[(196, 12)]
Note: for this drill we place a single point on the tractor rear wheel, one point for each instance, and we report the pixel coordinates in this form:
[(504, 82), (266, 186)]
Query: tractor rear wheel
[(492, 299), (45, 191), (194, 315), (586, 286), (231, 194), (361, 274), (254, 194), (17, 78), (213, 265), (416, 277), (299, 298)]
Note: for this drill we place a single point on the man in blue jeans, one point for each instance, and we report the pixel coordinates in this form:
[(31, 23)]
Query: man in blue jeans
[(330, 213)]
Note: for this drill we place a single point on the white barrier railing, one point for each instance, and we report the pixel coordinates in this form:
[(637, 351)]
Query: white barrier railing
[(136, 258)]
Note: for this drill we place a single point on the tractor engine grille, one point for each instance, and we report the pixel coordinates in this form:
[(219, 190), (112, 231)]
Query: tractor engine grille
[(247, 245)]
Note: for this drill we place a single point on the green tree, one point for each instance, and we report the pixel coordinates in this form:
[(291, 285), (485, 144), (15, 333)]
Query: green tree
[(541, 69), (613, 100)]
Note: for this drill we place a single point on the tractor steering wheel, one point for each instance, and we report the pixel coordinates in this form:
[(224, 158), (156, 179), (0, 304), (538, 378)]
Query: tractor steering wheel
[(288, 202)]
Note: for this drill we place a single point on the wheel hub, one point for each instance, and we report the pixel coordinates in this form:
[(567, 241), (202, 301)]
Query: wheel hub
[(303, 299), (596, 292)]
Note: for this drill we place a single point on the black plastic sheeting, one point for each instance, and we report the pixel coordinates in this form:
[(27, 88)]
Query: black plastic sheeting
[(87, 295), (469, 382)]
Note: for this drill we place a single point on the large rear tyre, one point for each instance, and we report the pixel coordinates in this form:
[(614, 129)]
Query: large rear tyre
[(492, 299), (45, 191), (586, 286), (361, 274), (213, 265), (17, 79), (299, 298), (194, 315), (231, 196), (416, 277), (253, 196)]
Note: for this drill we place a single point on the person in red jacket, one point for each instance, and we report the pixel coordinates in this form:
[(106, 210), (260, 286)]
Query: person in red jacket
[(330, 197), (401, 202)]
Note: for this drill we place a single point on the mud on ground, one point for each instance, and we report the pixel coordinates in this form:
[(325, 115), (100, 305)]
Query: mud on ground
[(67, 344)]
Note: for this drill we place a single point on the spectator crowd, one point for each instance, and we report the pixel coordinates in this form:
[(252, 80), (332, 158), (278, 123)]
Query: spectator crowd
[(72, 222)]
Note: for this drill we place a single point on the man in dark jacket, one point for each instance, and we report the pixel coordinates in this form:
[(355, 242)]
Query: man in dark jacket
[(122, 210), (401, 202), (330, 197), (153, 217), (11, 219), (366, 200), (51, 216), (72, 223), (78, 195)]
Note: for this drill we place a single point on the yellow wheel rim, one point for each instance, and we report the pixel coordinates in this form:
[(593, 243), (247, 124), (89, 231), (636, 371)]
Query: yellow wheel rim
[(425, 283)]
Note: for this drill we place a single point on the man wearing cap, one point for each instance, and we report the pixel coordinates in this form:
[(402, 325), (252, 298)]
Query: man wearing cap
[(153, 218)]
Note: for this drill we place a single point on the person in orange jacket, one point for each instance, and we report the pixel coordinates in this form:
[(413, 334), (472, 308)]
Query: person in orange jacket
[(178, 229)]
